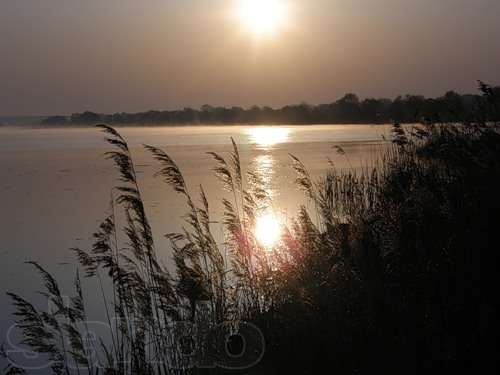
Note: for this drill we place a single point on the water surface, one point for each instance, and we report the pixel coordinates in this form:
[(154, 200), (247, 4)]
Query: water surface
[(55, 185)]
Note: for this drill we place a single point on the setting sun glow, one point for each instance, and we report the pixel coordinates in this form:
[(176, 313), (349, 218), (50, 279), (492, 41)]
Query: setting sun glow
[(268, 230), (262, 17)]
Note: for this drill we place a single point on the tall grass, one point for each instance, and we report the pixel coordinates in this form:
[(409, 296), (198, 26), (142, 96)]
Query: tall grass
[(383, 273), (207, 288)]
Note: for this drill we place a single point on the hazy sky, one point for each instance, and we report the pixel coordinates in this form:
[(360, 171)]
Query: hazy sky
[(64, 56)]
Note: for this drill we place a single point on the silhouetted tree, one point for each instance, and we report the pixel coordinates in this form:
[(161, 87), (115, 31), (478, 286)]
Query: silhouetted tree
[(451, 107)]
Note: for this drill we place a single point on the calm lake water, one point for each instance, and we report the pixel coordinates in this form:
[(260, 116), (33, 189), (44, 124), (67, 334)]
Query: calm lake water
[(55, 185)]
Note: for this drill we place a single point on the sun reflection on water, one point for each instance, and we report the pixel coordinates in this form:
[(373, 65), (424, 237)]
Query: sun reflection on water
[(268, 136), (268, 230), (263, 166), (268, 226)]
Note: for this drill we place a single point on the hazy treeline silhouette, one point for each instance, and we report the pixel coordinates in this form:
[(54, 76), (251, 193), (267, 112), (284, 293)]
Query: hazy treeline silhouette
[(20, 120), (451, 107)]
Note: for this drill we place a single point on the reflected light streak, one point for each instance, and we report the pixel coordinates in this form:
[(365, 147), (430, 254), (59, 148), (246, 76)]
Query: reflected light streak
[(264, 168), (268, 136), (268, 230)]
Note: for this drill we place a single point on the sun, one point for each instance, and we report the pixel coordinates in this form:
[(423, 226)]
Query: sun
[(261, 17), (268, 229)]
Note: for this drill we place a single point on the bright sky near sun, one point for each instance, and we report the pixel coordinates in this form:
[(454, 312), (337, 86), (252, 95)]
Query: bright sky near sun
[(64, 56)]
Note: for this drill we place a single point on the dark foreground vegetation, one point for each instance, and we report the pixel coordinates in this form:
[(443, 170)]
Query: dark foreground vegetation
[(393, 272), (451, 107)]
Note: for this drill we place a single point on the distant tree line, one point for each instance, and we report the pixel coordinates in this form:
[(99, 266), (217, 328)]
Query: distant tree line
[(451, 107)]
